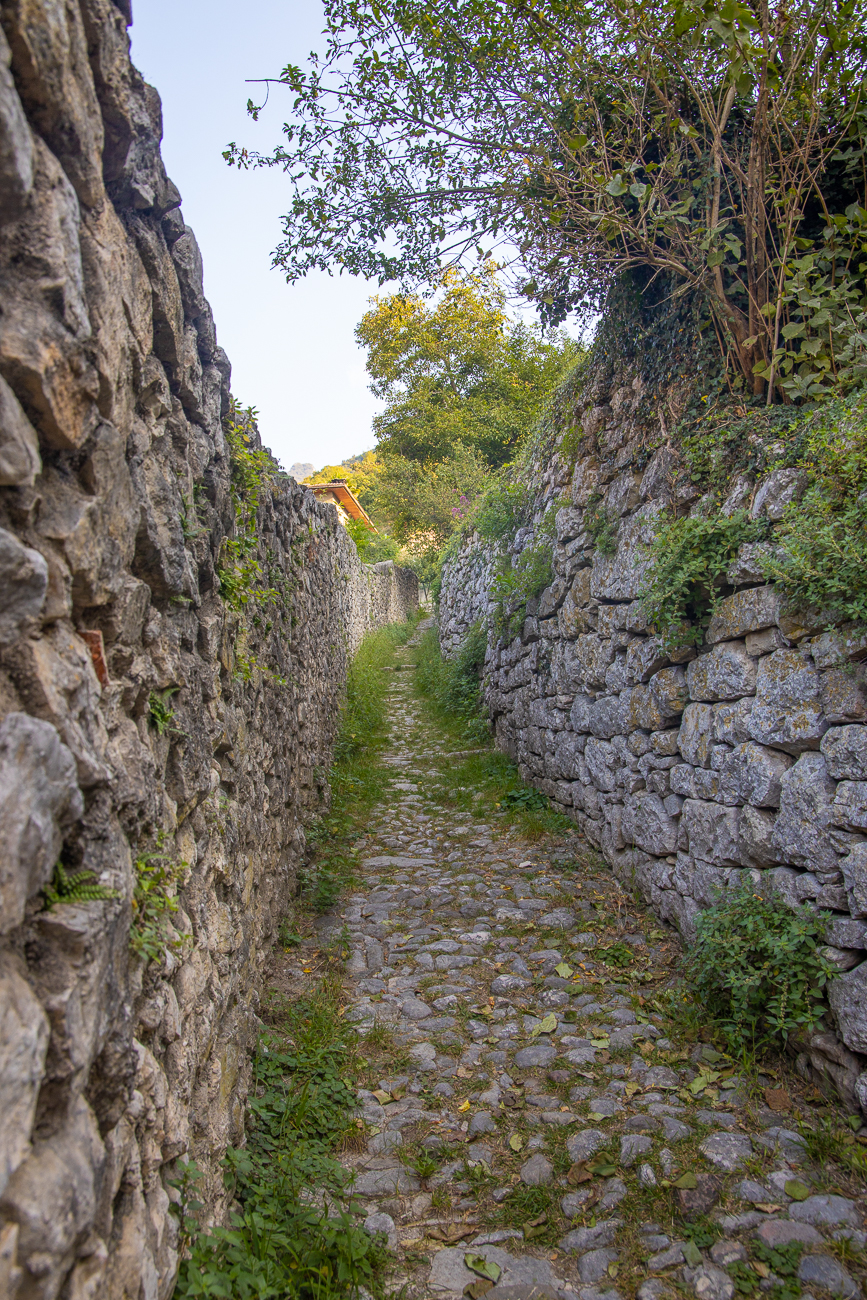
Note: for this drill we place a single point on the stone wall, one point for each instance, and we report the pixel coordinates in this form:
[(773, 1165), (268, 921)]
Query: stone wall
[(140, 713), (747, 759)]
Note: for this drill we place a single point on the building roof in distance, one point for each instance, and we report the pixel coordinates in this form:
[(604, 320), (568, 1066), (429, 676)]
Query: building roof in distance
[(338, 493)]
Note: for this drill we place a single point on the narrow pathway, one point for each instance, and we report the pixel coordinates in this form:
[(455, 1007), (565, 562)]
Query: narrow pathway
[(538, 1134)]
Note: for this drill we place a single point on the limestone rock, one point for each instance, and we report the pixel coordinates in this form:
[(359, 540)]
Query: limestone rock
[(725, 673), (710, 832), (23, 1044), (845, 752), (39, 797), (847, 995), (753, 774), (23, 582), (695, 738), (787, 713), (854, 868), (776, 492), (647, 824), (20, 461), (749, 610), (802, 830), (619, 576)]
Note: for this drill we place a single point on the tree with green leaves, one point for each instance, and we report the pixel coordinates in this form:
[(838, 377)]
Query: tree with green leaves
[(457, 373), (713, 145)]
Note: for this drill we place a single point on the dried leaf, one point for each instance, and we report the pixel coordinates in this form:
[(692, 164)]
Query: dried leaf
[(596, 1115), (475, 1290), (613, 1269), (545, 1026), (452, 1233), (687, 1181), (632, 1089), (463, 1073), (767, 1208), (484, 1268), (603, 1057), (579, 1173), (761, 1269), (465, 1105), (778, 1099), (382, 1096), (516, 1142)]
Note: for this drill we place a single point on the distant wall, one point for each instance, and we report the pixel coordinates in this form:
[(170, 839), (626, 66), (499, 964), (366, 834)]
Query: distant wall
[(115, 507), (745, 760)]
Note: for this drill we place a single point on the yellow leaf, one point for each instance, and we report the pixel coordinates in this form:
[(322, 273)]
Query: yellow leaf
[(465, 1105), (516, 1142)]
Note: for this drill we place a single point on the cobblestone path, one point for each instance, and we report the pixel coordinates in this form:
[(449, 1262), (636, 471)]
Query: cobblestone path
[(540, 1124)]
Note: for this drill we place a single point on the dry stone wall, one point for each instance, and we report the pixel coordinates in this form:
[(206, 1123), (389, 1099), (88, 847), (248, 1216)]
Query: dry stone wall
[(140, 714), (690, 772)]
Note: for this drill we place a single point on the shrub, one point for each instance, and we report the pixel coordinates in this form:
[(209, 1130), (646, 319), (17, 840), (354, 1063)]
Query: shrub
[(501, 511), (757, 969), (688, 557), (602, 525), (454, 684), (517, 583)]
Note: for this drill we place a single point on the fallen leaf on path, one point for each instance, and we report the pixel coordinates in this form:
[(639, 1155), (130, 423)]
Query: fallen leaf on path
[(778, 1099), (546, 1026), (484, 1267), (563, 969), (465, 1105), (452, 1233), (474, 1290), (600, 1042), (516, 1142), (767, 1208), (687, 1181), (578, 1173), (382, 1096), (463, 1073), (632, 1089), (796, 1189)]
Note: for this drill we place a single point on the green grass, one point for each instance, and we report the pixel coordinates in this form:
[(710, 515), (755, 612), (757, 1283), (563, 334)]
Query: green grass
[(292, 1234)]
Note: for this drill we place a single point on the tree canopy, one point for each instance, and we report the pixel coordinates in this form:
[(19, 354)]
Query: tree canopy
[(718, 145), (458, 373)]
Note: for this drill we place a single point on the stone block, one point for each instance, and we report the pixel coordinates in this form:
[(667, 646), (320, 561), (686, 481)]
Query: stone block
[(730, 721), (23, 582), (749, 610), (753, 774), (787, 713), (710, 832), (39, 798), (646, 823), (776, 492), (854, 869), (669, 691), (802, 830), (575, 616), (681, 780), (749, 564), (726, 673), (620, 576), (847, 995), (605, 717), (644, 657), (24, 1033), (849, 808), (695, 738), (601, 763), (641, 710), (842, 693), (833, 649), (20, 461), (845, 752)]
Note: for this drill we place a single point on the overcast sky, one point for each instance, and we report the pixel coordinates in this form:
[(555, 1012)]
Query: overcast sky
[(292, 348)]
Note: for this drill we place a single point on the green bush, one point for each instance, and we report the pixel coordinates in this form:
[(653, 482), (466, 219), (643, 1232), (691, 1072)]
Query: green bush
[(454, 685), (283, 1243), (500, 512), (688, 558), (518, 582), (757, 969), (602, 525)]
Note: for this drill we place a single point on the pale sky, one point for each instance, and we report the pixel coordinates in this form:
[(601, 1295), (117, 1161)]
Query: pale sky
[(292, 348)]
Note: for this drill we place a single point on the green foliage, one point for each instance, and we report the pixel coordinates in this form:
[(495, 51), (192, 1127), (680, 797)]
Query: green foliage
[(74, 887), (820, 554), (595, 139), (372, 547), (154, 901), (458, 373), (283, 1243), (454, 684), (827, 1143), (526, 798), (362, 715), (687, 559), (601, 525), (519, 581), (500, 511), (161, 712), (757, 969)]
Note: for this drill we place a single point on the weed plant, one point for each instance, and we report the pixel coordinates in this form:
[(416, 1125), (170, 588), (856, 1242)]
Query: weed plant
[(453, 686), (292, 1234), (757, 970)]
